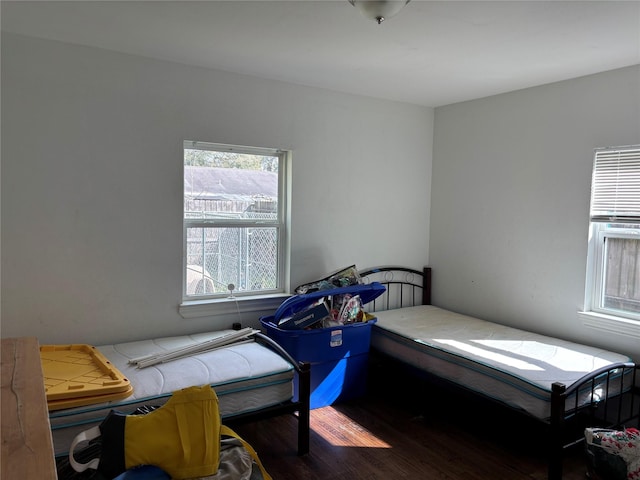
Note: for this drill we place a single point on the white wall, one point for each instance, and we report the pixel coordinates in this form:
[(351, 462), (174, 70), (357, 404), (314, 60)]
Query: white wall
[(510, 201), (91, 189), (92, 184)]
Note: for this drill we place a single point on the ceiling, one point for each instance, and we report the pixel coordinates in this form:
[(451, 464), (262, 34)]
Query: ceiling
[(432, 53)]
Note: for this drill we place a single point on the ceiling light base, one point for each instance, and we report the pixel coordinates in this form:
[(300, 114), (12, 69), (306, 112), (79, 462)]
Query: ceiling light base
[(379, 10)]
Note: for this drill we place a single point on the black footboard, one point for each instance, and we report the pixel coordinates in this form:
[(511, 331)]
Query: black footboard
[(607, 398), (302, 406)]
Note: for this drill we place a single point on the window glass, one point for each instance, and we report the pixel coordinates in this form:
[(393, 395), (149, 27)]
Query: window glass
[(613, 275), (233, 220)]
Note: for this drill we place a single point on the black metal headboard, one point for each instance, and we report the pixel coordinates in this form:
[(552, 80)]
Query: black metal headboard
[(406, 287)]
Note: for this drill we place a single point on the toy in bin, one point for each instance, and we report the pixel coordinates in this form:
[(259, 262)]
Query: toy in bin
[(338, 353), (341, 278), (326, 308), (307, 317)]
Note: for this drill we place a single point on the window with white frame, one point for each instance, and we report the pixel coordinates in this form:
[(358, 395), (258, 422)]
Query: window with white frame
[(613, 277), (235, 206)]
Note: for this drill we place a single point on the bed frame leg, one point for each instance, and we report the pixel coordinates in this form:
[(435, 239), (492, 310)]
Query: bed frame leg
[(304, 394), (556, 449)]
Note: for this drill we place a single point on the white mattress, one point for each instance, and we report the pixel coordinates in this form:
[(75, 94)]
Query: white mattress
[(510, 365), (246, 377)]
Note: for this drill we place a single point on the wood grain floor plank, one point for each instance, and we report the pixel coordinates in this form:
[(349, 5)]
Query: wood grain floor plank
[(374, 438)]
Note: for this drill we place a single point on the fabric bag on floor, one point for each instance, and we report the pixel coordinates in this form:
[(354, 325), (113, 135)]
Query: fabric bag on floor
[(613, 454), (182, 438)]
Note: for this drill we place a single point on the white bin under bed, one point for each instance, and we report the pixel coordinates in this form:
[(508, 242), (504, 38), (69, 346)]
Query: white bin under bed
[(247, 377)]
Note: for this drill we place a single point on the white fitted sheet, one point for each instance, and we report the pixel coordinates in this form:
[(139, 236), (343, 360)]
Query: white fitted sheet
[(246, 377), (513, 366)]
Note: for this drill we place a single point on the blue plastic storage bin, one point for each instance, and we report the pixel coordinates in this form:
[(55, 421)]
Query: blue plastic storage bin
[(338, 355)]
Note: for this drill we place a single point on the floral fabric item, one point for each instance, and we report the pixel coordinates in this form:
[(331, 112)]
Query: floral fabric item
[(614, 454)]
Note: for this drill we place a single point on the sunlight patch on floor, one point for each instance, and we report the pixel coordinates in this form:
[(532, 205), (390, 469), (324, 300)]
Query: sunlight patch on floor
[(343, 431)]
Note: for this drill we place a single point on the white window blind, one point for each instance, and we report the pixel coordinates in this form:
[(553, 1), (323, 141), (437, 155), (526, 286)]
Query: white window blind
[(615, 192)]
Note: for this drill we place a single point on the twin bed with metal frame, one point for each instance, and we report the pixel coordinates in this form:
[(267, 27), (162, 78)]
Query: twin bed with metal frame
[(253, 379), (565, 385)]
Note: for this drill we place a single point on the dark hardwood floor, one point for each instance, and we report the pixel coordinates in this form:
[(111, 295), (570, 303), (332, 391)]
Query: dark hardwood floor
[(408, 434)]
